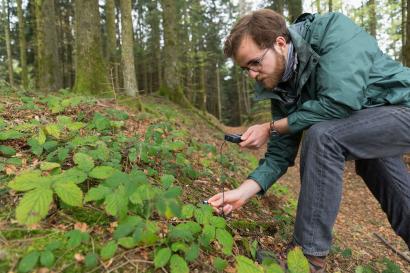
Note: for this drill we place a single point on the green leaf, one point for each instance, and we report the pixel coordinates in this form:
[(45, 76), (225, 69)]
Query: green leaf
[(273, 268), (62, 154), (220, 264), (391, 267), (116, 202), (225, 238), (7, 151), (74, 238), (53, 130), (91, 260), (192, 253), (34, 206), (179, 246), (245, 265), (70, 193), (10, 134), (162, 257), (41, 137), (14, 161), (102, 172), (167, 180), (28, 263), (218, 222), (25, 181), (363, 269), (84, 161), (74, 175), (187, 211), (97, 193), (48, 166), (47, 258), (36, 148), (178, 264), (54, 245), (108, 251), (127, 242), (208, 235), (297, 262)]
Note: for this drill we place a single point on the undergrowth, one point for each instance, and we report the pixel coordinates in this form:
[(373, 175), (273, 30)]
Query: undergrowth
[(86, 186)]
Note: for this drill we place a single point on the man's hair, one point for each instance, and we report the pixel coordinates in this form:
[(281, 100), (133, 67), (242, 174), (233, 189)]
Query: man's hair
[(263, 26)]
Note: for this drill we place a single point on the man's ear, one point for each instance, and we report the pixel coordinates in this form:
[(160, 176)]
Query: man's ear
[(280, 41)]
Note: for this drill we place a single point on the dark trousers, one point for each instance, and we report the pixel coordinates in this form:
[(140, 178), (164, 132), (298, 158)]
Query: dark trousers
[(376, 139)]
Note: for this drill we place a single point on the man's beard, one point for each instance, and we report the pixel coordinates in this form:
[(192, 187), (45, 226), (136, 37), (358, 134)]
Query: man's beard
[(273, 79)]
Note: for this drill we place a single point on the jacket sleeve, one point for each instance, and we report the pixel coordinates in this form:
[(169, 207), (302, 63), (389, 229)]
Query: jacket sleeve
[(280, 154), (346, 55)]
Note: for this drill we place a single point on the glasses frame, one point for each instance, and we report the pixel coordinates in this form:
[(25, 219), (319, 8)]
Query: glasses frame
[(255, 65)]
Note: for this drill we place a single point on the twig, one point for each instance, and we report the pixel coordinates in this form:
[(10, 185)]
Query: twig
[(401, 254)]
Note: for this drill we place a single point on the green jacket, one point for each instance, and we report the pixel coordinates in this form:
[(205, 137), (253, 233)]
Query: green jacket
[(340, 70)]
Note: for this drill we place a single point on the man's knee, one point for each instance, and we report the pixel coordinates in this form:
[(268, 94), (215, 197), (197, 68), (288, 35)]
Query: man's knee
[(319, 133)]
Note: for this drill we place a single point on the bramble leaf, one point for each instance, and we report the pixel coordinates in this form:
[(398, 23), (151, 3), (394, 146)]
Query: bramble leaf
[(102, 172), (34, 205), (297, 262), (178, 264), (162, 257), (84, 161), (70, 193), (28, 263), (246, 265)]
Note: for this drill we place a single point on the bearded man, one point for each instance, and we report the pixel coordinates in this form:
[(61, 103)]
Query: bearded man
[(327, 77)]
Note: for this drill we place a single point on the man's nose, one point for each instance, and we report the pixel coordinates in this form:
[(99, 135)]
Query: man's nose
[(253, 74)]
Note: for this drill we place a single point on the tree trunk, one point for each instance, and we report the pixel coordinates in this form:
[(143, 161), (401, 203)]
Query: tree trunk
[(372, 17), (127, 52), (278, 6), (295, 9), (6, 24), (403, 30), (22, 46), (319, 10), (170, 45), (218, 89), (407, 47), (111, 41), (330, 5), (91, 70), (49, 73)]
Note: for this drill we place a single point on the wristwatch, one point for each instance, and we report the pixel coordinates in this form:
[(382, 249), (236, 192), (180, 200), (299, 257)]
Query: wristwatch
[(272, 129)]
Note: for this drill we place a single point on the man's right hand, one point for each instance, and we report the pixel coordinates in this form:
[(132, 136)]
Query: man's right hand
[(234, 199)]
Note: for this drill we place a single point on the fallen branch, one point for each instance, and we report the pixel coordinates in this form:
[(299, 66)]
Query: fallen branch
[(401, 254)]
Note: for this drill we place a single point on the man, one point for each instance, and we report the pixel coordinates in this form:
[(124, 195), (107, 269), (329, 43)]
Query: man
[(326, 76)]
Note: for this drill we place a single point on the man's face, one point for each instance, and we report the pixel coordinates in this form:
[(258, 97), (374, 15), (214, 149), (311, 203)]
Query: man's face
[(264, 65)]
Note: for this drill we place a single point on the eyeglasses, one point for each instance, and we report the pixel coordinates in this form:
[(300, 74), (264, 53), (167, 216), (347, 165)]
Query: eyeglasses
[(255, 64)]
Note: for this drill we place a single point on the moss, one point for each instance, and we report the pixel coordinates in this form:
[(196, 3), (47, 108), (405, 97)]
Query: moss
[(89, 216), (176, 96), (15, 234), (253, 226)]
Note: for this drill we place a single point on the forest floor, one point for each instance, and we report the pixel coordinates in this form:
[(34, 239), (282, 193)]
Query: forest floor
[(359, 221), (266, 220)]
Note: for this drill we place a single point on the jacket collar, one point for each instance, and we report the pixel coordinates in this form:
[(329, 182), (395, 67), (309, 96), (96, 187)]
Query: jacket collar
[(307, 61)]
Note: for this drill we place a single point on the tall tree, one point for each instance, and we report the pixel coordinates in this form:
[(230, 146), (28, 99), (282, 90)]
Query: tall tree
[(372, 17), (6, 24), (330, 6), (407, 47), (127, 46), (171, 85), (111, 42), (22, 45), (91, 70), (295, 9), (49, 73), (154, 45)]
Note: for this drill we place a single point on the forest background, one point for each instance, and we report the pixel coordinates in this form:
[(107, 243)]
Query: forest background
[(141, 47)]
